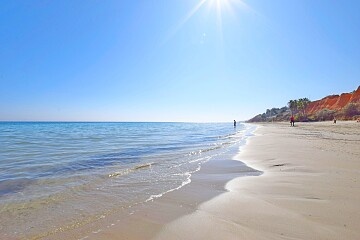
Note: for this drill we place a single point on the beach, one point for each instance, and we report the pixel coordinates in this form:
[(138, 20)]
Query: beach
[(309, 189), (285, 183), (170, 120), (62, 180)]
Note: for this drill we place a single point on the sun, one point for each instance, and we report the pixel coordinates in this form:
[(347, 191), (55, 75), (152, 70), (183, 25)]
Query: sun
[(227, 6), (224, 7), (221, 7), (220, 3)]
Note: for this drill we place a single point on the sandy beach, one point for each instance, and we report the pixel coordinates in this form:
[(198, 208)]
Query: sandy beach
[(301, 182), (310, 188)]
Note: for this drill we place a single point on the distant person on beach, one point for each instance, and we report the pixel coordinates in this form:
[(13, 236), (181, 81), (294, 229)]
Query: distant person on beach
[(334, 120), (234, 123), (292, 121)]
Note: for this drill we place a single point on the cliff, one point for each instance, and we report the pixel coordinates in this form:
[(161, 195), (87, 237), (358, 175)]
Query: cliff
[(345, 106), (335, 103)]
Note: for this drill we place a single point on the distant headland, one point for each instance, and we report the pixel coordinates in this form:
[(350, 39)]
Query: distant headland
[(345, 106)]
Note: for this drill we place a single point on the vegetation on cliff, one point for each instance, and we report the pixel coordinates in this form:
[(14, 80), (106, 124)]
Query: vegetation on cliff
[(298, 107), (343, 107)]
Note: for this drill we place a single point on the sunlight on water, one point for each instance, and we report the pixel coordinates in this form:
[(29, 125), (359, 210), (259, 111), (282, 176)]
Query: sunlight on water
[(79, 172)]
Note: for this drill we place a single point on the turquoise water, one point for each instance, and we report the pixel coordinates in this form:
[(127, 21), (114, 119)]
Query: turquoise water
[(57, 175)]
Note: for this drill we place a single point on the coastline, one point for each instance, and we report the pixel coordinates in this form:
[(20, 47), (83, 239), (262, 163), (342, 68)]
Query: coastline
[(146, 220), (309, 189), (84, 177)]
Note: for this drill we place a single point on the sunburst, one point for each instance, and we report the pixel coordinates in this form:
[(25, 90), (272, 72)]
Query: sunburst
[(220, 6)]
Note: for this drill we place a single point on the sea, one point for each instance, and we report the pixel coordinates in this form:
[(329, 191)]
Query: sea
[(56, 176)]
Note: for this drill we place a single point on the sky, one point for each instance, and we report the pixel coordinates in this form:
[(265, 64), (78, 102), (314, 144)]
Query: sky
[(172, 60)]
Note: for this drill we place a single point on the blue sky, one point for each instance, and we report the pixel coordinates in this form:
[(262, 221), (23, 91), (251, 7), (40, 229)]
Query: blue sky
[(172, 60)]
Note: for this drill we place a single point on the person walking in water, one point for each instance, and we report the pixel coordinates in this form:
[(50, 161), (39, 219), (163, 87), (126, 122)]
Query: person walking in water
[(234, 123), (292, 121)]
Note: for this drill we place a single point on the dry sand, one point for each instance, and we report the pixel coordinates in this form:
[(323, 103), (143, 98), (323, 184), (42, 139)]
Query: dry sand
[(310, 188)]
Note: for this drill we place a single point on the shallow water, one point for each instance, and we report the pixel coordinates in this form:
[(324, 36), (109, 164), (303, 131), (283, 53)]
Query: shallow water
[(59, 176)]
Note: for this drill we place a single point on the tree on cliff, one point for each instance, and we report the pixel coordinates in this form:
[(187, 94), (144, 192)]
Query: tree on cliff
[(293, 105), (302, 104), (299, 105)]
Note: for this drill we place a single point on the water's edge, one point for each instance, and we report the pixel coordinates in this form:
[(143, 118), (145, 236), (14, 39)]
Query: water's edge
[(146, 220), (201, 176)]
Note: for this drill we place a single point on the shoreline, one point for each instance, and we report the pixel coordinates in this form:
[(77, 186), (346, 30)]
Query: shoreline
[(308, 189), (151, 216)]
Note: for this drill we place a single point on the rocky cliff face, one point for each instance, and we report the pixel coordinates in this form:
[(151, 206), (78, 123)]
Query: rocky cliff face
[(345, 106), (334, 102)]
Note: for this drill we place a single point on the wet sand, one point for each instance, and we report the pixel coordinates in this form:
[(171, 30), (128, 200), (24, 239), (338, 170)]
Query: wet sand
[(310, 188), (307, 187), (146, 220)]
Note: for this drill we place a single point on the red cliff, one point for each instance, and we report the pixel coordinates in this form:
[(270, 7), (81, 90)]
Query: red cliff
[(343, 107), (334, 102)]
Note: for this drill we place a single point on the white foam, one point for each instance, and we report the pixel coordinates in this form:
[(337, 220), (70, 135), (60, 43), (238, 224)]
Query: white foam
[(83, 238), (199, 159), (186, 182), (97, 231)]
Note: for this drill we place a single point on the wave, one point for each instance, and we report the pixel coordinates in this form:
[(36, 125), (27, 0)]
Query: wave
[(130, 170), (184, 183)]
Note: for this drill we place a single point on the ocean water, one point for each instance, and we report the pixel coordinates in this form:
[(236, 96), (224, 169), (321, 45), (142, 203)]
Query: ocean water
[(59, 176)]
